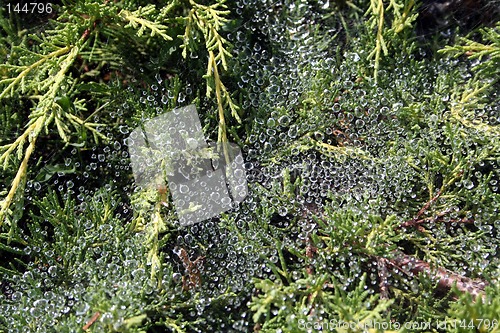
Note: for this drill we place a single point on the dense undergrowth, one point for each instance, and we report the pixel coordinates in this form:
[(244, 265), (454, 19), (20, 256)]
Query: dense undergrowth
[(370, 132)]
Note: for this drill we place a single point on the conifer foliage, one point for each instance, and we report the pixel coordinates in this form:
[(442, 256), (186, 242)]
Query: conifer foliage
[(371, 144)]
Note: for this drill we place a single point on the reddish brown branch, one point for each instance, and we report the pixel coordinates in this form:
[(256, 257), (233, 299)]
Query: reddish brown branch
[(311, 250), (192, 279), (438, 218), (445, 279), (428, 204), (91, 321), (382, 275), (415, 221)]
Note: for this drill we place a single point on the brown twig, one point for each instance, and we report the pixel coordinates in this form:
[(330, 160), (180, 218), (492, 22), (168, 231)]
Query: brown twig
[(382, 275), (310, 251), (91, 321), (417, 221), (428, 204), (193, 269), (446, 279), (438, 218)]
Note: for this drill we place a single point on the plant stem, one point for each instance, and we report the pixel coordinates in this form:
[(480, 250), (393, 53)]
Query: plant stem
[(29, 68), (21, 172)]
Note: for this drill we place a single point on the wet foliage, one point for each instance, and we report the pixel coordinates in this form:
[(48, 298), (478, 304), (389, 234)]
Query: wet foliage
[(370, 133)]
